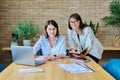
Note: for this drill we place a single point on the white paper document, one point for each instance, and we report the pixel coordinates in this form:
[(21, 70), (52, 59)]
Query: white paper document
[(30, 70), (76, 68), (79, 60)]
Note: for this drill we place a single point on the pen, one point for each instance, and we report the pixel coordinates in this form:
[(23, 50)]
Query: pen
[(84, 66)]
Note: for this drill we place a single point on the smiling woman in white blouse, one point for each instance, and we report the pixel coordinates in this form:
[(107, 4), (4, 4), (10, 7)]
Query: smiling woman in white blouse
[(53, 46), (82, 35)]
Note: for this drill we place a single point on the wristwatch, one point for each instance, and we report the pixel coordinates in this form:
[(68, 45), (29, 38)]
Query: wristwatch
[(54, 55)]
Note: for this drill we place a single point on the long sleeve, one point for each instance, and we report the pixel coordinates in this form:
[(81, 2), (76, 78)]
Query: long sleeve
[(37, 46), (71, 41), (63, 46), (89, 38), (94, 46), (43, 43)]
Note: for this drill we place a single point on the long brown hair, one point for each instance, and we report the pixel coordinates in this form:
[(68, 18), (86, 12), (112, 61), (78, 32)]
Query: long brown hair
[(54, 23), (78, 18)]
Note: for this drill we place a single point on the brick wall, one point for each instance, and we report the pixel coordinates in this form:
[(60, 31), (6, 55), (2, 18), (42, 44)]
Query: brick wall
[(39, 11)]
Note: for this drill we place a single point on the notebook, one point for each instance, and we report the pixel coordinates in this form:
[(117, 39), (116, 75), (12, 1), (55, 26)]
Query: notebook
[(24, 55)]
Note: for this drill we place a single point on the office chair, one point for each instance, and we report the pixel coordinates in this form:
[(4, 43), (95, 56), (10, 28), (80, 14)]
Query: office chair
[(113, 67), (2, 67), (40, 52)]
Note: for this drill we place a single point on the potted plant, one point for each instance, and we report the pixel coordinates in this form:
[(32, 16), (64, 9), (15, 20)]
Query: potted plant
[(27, 31), (93, 26), (114, 19)]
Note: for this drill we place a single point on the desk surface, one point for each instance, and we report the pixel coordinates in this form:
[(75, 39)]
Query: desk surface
[(53, 72), (105, 48)]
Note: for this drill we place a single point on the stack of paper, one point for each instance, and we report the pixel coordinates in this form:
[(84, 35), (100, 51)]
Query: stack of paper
[(76, 68)]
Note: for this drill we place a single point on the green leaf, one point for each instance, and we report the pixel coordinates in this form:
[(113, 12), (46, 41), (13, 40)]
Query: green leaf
[(93, 26), (27, 30), (114, 18)]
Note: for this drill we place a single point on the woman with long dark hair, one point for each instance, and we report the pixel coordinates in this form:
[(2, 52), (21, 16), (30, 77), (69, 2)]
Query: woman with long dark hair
[(82, 35), (51, 43)]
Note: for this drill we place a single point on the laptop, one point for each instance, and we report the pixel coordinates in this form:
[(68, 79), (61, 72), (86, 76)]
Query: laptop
[(24, 55)]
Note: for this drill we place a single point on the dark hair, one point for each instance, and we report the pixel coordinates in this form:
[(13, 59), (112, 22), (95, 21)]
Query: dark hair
[(52, 22), (78, 18)]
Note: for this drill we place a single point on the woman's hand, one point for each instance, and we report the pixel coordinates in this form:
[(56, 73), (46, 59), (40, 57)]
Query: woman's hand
[(71, 53), (51, 57), (45, 58), (79, 56), (59, 56)]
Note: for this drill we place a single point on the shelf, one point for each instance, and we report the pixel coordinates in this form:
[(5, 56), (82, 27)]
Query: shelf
[(112, 48)]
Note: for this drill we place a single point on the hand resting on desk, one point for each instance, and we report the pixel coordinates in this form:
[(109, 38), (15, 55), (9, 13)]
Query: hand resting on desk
[(54, 57)]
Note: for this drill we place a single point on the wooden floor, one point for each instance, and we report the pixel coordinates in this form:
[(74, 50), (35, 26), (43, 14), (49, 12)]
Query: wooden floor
[(107, 55)]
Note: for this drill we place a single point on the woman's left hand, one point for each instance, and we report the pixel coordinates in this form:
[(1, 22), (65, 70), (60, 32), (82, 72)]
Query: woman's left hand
[(51, 57), (60, 56), (79, 56)]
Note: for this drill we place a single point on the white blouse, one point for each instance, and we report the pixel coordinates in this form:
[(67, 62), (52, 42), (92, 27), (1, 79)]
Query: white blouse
[(43, 43)]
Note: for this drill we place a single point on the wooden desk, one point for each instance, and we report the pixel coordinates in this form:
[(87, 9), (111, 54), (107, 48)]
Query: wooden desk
[(53, 72), (105, 48)]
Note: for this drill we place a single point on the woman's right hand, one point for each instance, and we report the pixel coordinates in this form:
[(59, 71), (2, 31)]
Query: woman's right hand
[(71, 53), (45, 58), (79, 56), (51, 58)]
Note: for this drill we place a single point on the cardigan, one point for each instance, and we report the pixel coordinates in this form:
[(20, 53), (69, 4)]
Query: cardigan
[(86, 39)]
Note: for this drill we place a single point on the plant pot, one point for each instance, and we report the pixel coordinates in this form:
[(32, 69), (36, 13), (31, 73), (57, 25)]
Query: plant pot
[(27, 42), (14, 43), (116, 41)]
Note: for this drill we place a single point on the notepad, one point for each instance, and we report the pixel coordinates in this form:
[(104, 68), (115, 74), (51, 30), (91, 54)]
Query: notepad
[(76, 68), (30, 70)]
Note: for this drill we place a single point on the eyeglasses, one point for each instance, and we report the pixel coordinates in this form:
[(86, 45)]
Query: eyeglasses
[(73, 22)]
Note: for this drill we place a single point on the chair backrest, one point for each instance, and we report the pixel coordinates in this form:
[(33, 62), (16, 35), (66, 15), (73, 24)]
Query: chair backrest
[(2, 67), (113, 68), (40, 52)]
